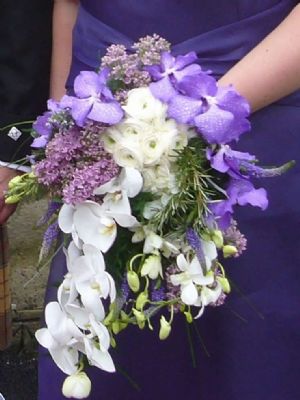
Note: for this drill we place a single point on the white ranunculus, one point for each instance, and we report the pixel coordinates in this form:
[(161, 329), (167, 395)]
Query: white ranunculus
[(142, 105), (77, 386), (153, 147), (110, 138), (128, 155)]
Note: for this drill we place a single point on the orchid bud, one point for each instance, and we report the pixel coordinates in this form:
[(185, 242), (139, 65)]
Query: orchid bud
[(141, 300), (116, 327), (165, 328), (224, 283), (217, 238), (152, 266), (140, 318), (77, 386), (188, 316), (133, 281), (229, 251)]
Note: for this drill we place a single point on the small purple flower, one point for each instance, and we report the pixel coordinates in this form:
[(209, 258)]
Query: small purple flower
[(50, 235), (93, 100), (53, 207), (195, 243), (233, 236), (157, 294)]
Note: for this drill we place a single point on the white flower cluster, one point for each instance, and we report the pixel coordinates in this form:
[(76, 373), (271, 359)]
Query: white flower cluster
[(147, 140)]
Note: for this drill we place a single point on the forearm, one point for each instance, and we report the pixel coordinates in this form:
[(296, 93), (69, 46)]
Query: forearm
[(272, 69), (64, 16)]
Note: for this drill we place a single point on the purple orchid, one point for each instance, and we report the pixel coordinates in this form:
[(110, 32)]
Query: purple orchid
[(241, 165), (44, 129), (229, 161), (221, 114), (93, 100), (239, 192), (170, 72)]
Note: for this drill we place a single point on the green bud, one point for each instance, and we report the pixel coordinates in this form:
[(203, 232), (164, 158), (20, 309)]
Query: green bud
[(133, 281), (165, 328), (115, 327), (229, 250), (217, 238), (188, 316), (141, 300), (124, 316), (140, 318), (15, 182), (109, 318), (113, 342), (224, 283), (13, 199)]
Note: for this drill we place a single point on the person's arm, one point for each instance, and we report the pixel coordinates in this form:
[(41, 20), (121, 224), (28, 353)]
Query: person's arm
[(64, 16), (272, 69)]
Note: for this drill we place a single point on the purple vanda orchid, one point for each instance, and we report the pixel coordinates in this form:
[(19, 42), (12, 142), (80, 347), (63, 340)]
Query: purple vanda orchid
[(239, 192), (43, 127), (218, 113), (170, 72), (93, 100), (239, 164)]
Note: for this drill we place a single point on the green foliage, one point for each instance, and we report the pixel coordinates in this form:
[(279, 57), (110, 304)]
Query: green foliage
[(115, 85), (139, 202), (190, 205)]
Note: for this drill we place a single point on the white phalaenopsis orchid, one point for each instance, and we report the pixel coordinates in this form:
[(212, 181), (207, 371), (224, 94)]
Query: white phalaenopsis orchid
[(60, 338), (92, 282), (130, 181), (95, 224), (191, 276)]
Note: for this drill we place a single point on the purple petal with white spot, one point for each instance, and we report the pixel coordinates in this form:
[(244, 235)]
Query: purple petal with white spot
[(80, 109), (190, 70), (187, 59), (163, 90), (108, 113), (198, 86), (184, 109), (87, 84), (214, 125)]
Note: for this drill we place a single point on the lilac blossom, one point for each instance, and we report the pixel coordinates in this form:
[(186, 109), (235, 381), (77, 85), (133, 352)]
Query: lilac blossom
[(233, 236), (157, 294), (89, 178), (94, 100)]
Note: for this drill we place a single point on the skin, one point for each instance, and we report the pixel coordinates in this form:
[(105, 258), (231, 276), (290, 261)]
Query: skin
[(267, 73)]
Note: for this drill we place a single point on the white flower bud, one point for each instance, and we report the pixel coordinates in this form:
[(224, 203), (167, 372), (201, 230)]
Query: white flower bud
[(77, 386)]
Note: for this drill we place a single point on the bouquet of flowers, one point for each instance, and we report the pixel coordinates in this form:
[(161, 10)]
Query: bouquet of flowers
[(143, 184)]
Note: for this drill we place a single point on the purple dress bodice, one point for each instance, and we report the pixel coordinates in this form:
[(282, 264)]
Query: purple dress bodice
[(254, 340)]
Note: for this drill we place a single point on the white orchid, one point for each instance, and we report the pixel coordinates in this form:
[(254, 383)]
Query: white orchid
[(92, 282), (95, 224), (77, 386), (60, 338), (152, 267), (190, 278)]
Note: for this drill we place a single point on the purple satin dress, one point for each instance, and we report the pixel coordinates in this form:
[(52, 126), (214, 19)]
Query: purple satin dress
[(253, 341)]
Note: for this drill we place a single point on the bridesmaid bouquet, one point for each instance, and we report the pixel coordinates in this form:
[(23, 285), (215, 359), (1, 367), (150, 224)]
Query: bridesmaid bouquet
[(143, 185)]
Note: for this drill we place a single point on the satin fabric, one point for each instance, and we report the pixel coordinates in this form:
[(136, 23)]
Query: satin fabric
[(254, 340)]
